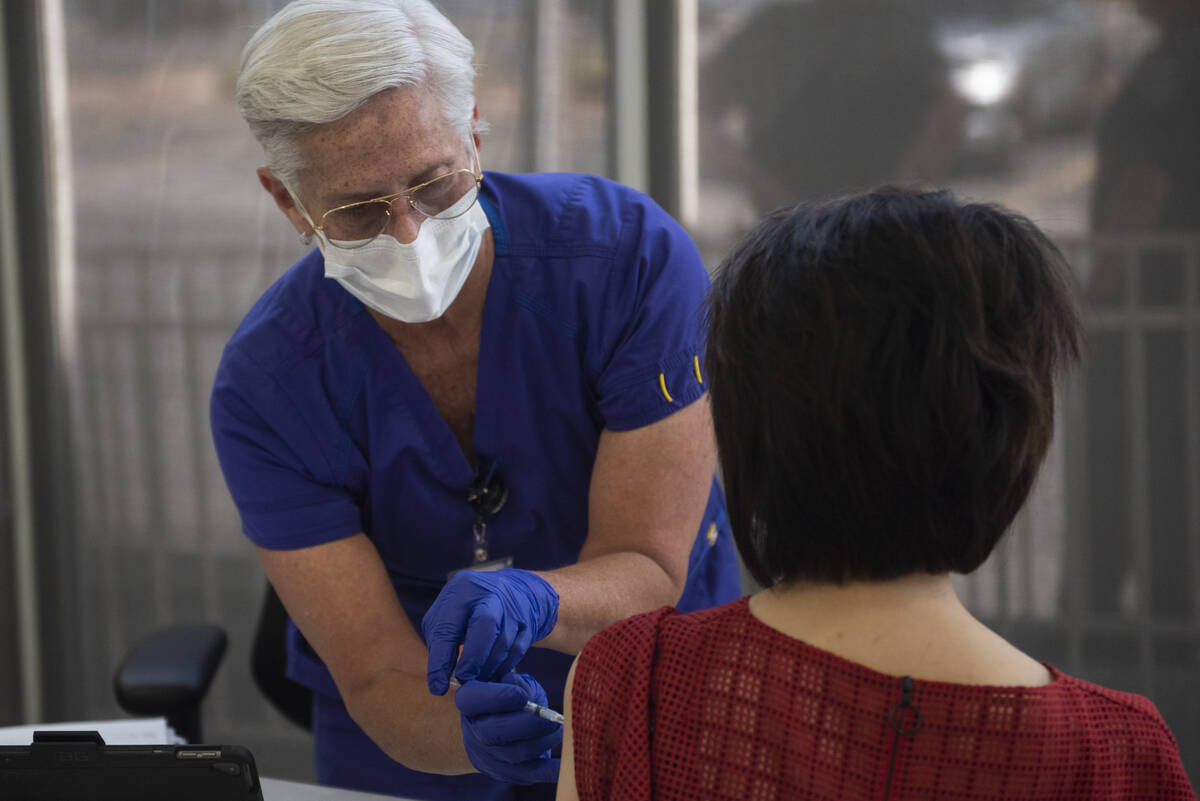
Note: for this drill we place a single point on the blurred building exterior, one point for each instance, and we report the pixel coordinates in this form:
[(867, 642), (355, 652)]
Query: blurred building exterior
[(1065, 110)]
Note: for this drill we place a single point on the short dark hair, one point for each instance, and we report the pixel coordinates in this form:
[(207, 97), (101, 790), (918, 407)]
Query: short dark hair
[(882, 372)]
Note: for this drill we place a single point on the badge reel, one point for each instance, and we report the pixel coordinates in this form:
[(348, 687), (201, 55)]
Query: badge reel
[(487, 495)]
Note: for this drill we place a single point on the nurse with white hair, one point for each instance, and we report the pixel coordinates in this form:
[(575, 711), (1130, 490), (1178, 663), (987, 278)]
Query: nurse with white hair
[(469, 428)]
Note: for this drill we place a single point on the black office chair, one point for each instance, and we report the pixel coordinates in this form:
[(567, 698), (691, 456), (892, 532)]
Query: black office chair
[(168, 673)]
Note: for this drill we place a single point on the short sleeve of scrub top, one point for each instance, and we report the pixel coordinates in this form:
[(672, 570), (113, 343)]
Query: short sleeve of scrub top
[(276, 423), (659, 346), (278, 473), (640, 286)]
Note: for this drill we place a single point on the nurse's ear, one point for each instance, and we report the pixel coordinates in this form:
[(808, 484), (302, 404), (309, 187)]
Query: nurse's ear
[(475, 128), (284, 200)]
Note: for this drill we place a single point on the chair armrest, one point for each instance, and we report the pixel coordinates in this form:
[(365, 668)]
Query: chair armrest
[(170, 670)]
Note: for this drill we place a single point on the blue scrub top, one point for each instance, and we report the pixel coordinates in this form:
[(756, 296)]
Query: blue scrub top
[(592, 321)]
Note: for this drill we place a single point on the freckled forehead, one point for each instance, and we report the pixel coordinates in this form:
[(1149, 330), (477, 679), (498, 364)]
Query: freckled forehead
[(379, 147)]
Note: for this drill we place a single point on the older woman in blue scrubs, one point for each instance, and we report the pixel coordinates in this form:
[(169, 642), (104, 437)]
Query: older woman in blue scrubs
[(469, 429)]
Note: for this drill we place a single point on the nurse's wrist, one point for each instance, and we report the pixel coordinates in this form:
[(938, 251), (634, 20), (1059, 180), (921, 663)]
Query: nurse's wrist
[(600, 591), (420, 731)]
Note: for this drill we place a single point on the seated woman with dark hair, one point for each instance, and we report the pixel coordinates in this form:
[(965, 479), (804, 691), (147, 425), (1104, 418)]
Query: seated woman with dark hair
[(882, 374)]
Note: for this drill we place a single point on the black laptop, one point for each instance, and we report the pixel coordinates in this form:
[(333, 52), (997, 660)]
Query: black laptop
[(79, 766)]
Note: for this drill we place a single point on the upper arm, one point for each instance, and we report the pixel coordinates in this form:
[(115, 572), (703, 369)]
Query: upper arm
[(274, 446), (647, 339), (567, 790), (608, 711), (655, 459), (649, 487), (341, 598), (300, 510)]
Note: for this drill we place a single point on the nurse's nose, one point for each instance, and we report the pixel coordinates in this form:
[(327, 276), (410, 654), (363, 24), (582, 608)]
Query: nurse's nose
[(404, 222)]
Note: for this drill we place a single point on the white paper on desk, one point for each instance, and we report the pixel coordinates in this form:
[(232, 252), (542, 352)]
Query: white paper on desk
[(128, 731)]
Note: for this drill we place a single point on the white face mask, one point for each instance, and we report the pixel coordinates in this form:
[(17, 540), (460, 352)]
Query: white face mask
[(414, 282)]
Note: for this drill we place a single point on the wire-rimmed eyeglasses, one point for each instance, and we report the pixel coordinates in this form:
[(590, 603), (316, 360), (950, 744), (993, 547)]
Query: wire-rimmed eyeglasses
[(445, 197)]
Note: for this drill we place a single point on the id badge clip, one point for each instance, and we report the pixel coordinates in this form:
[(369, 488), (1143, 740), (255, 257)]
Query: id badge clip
[(484, 567), (487, 495)]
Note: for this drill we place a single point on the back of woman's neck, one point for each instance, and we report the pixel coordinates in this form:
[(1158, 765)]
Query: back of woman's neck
[(913, 625)]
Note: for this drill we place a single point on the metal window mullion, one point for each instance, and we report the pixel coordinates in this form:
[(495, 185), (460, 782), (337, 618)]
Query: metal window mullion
[(544, 85), (1191, 367), (671, 54), (18, 423), (1139, 454), (60, 527), (689, 112), (628, 113)]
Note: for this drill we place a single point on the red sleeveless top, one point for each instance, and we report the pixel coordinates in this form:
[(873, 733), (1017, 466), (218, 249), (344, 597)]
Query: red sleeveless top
[(718, 705)]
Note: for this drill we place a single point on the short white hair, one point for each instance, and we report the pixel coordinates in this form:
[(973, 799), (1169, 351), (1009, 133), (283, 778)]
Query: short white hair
[(316, 61)]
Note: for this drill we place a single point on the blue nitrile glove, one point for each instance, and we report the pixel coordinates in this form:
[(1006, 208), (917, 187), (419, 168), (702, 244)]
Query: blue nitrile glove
[(495, 615), (503, 739)]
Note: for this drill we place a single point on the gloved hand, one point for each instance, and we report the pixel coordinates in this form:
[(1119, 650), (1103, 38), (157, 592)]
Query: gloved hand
[(503, 739), (495, 615)]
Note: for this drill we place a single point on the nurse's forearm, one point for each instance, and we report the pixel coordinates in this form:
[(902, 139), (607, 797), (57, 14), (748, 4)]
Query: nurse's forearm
[(645, 503), (600, 591), (418, 730)]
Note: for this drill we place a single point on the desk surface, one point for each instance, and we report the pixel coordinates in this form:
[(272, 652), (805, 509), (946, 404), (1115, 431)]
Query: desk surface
[(280, 790)]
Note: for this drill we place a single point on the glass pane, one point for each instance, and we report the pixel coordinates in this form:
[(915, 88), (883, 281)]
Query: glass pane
[(1083, 116), (175, 242)]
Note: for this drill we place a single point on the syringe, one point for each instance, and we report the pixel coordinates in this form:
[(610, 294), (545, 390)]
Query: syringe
[(543, 712)]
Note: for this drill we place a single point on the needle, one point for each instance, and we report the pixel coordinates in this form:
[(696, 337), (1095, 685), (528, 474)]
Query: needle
[(543, 712)]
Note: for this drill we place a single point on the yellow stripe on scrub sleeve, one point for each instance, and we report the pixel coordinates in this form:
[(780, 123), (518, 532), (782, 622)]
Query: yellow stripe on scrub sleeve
[(662, 384)]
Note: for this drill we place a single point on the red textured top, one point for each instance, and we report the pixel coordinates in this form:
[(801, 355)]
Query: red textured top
[(718, 705)]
